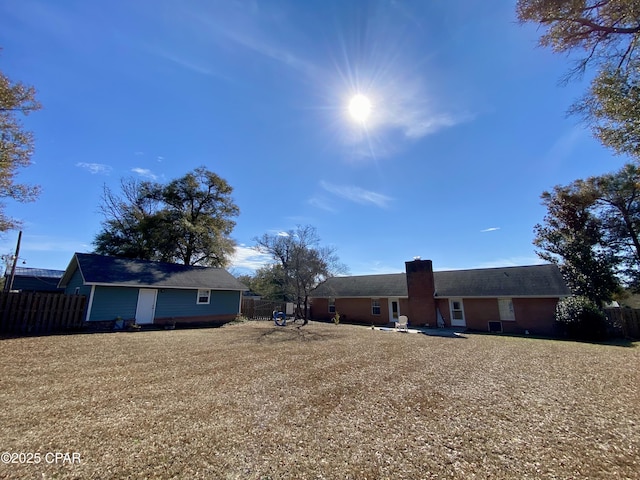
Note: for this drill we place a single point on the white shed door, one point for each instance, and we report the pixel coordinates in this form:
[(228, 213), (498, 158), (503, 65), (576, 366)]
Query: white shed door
[(146, 308)]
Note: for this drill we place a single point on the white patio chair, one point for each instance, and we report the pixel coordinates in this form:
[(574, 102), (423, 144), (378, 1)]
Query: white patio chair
[(402, 323)]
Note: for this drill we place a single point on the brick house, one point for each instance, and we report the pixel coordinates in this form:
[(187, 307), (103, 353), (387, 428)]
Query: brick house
[(509, 299)]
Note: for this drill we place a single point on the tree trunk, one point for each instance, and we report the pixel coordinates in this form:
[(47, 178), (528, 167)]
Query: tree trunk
[(633, 234)]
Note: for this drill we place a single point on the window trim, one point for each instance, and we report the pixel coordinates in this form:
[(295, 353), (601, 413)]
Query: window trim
[(200, 296), (512, 312), (375, 303), (332, 305)]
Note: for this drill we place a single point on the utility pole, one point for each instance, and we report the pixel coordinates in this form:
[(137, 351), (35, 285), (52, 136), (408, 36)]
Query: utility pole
[(9, 286)]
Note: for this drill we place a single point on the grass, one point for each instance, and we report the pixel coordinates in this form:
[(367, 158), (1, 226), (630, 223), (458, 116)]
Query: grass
[(327, 401)]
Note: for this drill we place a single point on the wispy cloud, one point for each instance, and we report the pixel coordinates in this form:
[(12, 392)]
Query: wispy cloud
[(421, 123), (249, 258), (145, 172), (491, 229), (269, 48), (259, 30), (564, 146), (407, 107), (95, 168), (321, 203), (197, 66), (357, 194)]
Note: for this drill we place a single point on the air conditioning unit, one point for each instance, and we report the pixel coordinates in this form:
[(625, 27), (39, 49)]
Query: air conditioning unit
[(495, 327)]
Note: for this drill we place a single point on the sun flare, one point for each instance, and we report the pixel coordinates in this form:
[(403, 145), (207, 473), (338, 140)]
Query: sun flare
[(360, 107)]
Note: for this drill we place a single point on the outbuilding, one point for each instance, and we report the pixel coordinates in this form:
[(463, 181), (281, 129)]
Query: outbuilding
[(121, 289)]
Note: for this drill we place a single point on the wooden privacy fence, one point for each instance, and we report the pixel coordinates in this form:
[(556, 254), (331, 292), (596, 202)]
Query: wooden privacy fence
[(624, 320), (262, 309), (39, 313)]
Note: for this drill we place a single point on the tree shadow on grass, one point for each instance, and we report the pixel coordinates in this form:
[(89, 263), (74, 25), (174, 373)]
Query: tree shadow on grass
[(292, 333)]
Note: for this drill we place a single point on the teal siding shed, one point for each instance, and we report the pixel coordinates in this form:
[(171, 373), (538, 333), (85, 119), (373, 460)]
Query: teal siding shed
[(111, 303), (178, 303), (152, 292)]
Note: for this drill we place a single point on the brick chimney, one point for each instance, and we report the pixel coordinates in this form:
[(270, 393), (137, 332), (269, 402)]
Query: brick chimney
[(421, 289)]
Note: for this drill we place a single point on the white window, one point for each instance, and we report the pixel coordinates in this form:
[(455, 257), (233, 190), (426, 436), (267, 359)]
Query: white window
[(375, 306), (332, 305), (457, 313), (204, 297), (505, 305)]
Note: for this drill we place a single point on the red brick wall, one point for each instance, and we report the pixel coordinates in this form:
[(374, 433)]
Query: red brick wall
[(354, 310), (535, 314), (320, 309), (404, 308), (358, 310), (420, 289), (478, 312)]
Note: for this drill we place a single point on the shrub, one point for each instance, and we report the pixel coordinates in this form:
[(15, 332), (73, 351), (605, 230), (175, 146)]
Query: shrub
[(581, 318)]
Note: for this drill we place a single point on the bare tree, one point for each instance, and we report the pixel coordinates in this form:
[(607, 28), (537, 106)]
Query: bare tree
[(304, 263)]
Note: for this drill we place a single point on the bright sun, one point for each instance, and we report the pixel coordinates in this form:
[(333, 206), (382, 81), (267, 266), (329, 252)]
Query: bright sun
[(360, 107)]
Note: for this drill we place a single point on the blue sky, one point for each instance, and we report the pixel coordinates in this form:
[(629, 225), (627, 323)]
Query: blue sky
[(467, 125)]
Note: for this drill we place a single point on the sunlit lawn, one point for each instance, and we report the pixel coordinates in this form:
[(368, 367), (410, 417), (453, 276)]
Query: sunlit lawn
[(256, 401)]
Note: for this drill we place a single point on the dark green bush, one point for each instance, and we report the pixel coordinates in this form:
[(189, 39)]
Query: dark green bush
[(581, 318)]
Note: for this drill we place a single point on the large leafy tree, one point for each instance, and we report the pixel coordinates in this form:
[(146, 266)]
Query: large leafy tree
[(604, 34), (617, 205), (571, 236), (612, 109), (16, 144), (300, 263), (199, 211), (188, 221), (592, 229)]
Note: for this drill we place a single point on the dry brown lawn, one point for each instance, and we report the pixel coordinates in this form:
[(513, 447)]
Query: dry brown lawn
[(256, 401)]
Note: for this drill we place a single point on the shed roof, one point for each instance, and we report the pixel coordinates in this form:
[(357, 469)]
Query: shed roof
[(525, 281), (104, 270)]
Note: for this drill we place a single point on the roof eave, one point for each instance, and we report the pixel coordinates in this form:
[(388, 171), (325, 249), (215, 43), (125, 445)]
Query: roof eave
[(175, 287), (69, 271)]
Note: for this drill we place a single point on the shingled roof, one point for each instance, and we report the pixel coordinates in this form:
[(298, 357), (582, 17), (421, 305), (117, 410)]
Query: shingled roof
[(389, 285), (103, 270), (527, 281)]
